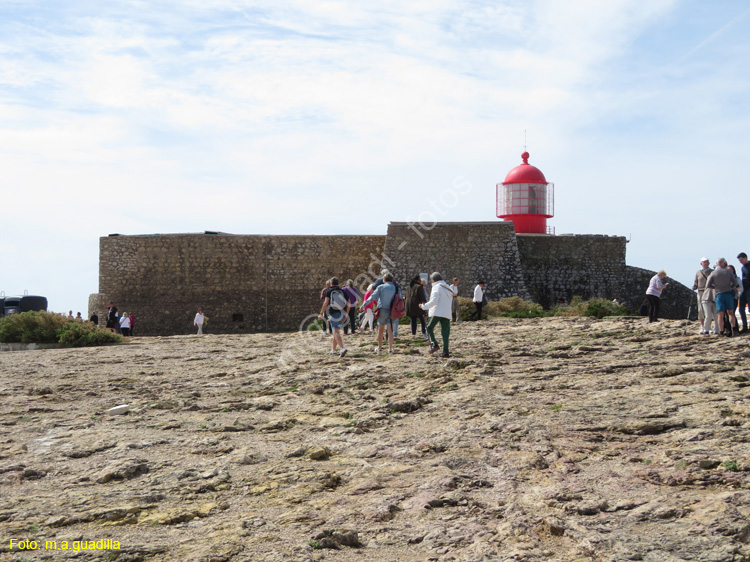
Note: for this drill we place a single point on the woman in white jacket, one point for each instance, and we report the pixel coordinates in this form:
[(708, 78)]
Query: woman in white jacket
[(439, 307)]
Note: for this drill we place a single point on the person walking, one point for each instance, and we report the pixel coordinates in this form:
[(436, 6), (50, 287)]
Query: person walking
[(415, 296), (699, 284), (745, 295), (353, 295), (199, 321), (369, 312), (653, 294), (326, 324), (738, 290), (125, 324), (336, 304), (478, 300), (724, 282), (439, 310), (379, 281), (384, 295), (710, 324), (111, 316), (455, 308)]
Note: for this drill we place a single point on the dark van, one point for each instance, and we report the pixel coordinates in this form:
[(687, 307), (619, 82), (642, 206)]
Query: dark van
[(26, 303)]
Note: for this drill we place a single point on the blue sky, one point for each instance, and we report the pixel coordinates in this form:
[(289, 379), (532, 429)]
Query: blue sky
[(337, 117)]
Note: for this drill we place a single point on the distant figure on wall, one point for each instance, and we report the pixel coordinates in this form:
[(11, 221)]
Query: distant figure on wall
[(94, 319), (78, 317), (70, 315), (111, 316), (200, 319), (655, 286)]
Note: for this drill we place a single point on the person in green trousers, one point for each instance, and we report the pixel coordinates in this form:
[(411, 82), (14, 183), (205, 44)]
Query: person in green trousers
[(439, 307)]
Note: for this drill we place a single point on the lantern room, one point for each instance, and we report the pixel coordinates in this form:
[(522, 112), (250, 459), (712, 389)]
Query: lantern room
[(526, 198)]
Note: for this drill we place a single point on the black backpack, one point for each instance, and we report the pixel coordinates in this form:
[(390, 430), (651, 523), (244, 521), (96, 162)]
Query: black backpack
[(338, 301)]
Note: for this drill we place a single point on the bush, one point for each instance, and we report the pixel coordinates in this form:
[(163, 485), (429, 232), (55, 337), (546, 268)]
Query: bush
[(31, 327), (595, 308), (512, 307), (599, 308), (84, 334), (47, 327)]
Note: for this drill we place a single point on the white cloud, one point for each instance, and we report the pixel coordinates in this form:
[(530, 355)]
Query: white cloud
[(227, 115)]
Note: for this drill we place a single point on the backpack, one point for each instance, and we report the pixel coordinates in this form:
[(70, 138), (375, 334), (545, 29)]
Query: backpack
[(398, 309), (339, 301)]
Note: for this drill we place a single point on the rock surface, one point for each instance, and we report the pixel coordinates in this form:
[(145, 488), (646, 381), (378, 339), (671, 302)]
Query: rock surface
[(561, 439)]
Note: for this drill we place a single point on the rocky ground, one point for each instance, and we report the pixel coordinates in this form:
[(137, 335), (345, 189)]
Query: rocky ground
[(549, 439)]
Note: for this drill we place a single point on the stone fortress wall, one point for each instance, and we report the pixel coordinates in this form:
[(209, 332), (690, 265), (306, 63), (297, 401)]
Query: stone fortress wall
[(471, 251), (677, 300), (248, 283), (559, 267), (243, 283)]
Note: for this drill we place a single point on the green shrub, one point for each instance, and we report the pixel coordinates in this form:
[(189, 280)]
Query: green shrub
[(31, 327), (599, 308), (512, 307), (84, 334), (595, 308), (47, 327)]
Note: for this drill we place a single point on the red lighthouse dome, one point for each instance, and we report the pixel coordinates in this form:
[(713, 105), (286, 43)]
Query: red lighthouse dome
[(526, 198), (525, 173)]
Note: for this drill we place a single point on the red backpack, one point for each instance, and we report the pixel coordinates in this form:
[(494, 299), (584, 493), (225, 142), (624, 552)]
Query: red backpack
[(398, 308)]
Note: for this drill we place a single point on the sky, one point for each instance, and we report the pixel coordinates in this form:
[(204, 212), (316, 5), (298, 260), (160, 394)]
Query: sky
[(337, 117)]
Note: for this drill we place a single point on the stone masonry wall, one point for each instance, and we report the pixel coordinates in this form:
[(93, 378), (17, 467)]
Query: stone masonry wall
[(243, 283), (258, 283), (676, 299), (561, 267), (470, 251)]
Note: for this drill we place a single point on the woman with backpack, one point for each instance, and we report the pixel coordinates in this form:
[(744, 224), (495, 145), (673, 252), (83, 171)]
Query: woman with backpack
[(383, 295), (336, 304)]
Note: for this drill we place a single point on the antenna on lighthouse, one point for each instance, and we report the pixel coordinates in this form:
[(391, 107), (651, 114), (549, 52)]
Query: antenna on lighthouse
[(524, 140)]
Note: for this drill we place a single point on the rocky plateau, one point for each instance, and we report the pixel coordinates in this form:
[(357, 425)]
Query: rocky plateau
[(555, 439)]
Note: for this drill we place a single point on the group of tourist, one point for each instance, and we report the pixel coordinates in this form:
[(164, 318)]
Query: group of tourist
[(121, 323), (385, 303), (720, 292)]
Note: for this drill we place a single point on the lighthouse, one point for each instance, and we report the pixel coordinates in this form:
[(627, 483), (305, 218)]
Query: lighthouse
[(526, 198)]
